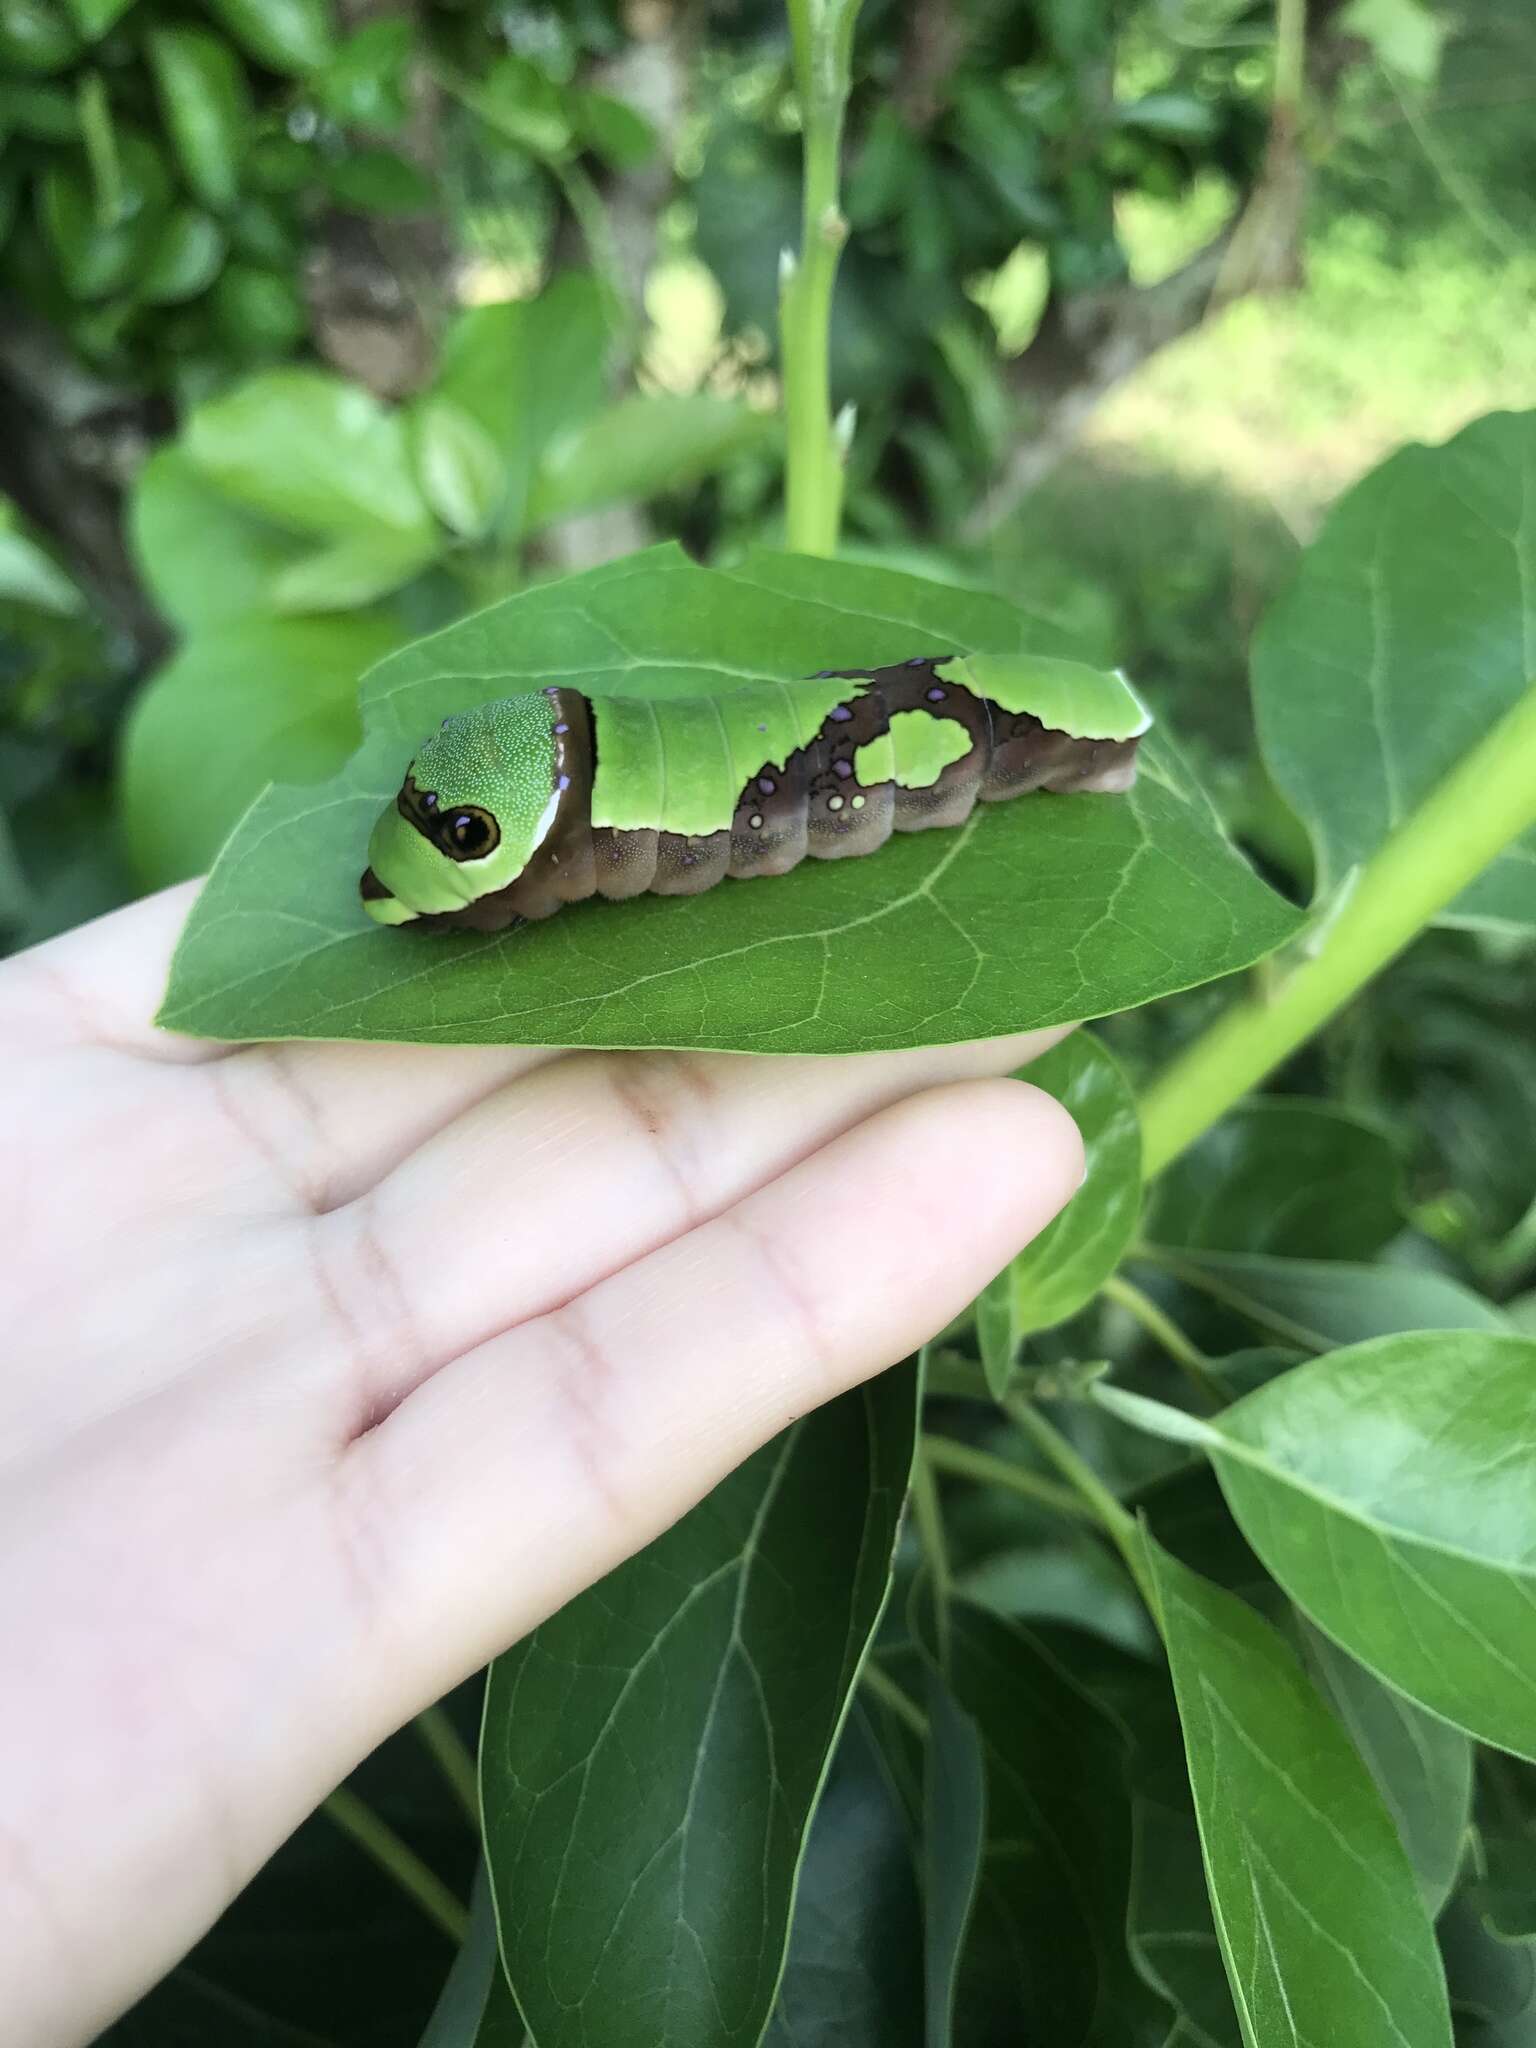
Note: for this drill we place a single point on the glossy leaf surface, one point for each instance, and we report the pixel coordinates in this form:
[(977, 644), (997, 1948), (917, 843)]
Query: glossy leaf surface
[(653, 1752)]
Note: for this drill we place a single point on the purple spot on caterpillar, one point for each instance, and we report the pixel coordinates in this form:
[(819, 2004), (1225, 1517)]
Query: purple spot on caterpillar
[(551, 689), (562, 727), (935, 696), (689, 859), (842, 768), (429, 801), (839, 712), (564, 782), (766, 784), (762, 728)]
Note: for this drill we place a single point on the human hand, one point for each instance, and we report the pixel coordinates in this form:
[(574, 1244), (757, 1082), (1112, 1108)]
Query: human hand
[(334, 1369)]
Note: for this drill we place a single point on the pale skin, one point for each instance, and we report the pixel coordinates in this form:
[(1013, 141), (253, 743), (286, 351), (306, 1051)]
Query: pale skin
[(332, 1370)]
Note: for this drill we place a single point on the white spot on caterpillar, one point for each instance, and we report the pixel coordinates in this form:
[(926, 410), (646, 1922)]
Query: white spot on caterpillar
[(756, 821), (834, 803), (858, 803)]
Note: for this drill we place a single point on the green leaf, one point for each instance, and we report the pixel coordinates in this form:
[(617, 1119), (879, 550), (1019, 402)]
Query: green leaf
[(236, 707), (1405, 35), (622, 136), (1406, 635), (475, 2009), (287, 35), (1070, 1260), (640, 446), (954, 1841), (205, 560), (1422, 1768), (363, 86), (379, 181), (526, 371), (1043, 910), (354, 570), (309, 451), (94, 17), (206, 107), (1388, 1488), (1172, 1936), (665, 1735), (1284, 1176), (1320, 1924), (1318, 1303), (525, 105), (854, 1974), (1046, 1942), (1492, 1979), (30, 575), (184, 259), (998, 1332), (100, 139), (35, 37), (461, 471)]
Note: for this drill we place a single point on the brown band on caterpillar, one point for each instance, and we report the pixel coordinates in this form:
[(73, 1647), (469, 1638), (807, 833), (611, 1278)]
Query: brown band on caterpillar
[(813, 806)]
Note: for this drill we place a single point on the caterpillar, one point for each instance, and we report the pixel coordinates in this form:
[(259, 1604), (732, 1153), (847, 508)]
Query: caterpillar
[(529, 802)]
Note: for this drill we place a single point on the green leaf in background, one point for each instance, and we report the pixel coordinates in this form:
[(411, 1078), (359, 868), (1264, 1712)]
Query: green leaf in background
[(1406, 35), (476, 2008), (459, 467), (1407, 633), (954, 1842), (1422, 1767), (94, 17), (1319, 1304), (1070, 1260), (622, 137), (206, 107), (287, 35), (183, 260), (1388, 1488), (205, 560), (100, 139), (30, 575), (1171, 1933), (854, 1976), (237, 706), (309, 451), (998, 1332), (1047, 1937), (35, 37), (1492, 1979), (1321, 1926), (379, 181), (527, 371), (259, 312), (640, 446), (662, 1739), (354, 570), (1043, 910), (1286, 1177), (363, 86)]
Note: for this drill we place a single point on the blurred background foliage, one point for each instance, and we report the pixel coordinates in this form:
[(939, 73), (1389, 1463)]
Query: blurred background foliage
[(324, 321)]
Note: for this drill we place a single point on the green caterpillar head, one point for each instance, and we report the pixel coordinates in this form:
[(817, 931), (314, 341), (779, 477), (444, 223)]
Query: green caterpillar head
[(477, 801)]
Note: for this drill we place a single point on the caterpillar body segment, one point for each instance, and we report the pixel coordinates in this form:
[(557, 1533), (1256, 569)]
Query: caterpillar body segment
[(531, 802)]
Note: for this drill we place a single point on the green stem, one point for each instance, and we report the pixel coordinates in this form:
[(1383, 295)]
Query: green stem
[(945, 1455), (930, 1531), (1118, 1522), (822, 34), (1164, 1331), (1290, 60), (1485, 802), (885, 1689), (452, 1758), (378, 1840)]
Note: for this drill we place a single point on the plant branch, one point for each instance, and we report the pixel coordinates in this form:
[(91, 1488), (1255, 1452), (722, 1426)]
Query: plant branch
[(452, 1758), (822, 35), (1487, 801), (1165, 1332), (965, 1462), (1117, 1521), (930, 1532), (885, 1689), (378, 1840)]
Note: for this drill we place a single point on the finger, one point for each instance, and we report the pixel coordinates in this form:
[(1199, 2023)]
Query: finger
[(327, 1121), (586, 1165), (102, 983), (527, 1469)]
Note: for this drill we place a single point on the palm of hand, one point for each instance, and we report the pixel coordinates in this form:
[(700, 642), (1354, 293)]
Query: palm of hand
[(334, 1369)]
